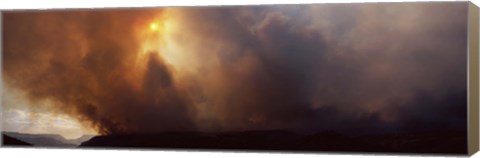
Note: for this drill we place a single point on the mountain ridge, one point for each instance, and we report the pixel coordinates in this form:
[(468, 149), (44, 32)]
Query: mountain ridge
[(47, 140)]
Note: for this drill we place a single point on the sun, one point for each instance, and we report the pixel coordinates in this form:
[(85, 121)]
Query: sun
[(153, 26)]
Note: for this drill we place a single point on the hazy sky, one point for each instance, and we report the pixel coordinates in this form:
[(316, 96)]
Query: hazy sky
[(368, 68)]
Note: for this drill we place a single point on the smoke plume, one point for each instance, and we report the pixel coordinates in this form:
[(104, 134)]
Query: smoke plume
[(384, 67)]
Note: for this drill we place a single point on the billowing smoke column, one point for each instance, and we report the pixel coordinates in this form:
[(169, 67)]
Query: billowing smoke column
[(363, 67), (83, 60)]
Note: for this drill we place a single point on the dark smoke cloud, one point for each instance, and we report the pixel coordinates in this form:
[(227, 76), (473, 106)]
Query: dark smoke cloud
[(364, 68)]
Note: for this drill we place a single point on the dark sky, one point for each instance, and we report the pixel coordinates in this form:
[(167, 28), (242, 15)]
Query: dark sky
[(367, 68)]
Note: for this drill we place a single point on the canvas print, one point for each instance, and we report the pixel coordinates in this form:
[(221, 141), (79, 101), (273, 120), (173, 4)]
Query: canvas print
[(365, 77)]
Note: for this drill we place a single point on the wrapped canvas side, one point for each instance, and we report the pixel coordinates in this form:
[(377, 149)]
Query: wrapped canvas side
[(473, 66)]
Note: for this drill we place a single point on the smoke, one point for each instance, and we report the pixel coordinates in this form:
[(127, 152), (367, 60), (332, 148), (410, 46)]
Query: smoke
[(81, 60), (363, 67)]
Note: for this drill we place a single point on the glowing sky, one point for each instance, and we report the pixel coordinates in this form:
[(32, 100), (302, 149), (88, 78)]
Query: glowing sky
[(368, 68)]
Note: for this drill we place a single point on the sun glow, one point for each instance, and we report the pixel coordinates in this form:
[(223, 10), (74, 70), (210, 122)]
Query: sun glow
[(154, 26), (156, 38)]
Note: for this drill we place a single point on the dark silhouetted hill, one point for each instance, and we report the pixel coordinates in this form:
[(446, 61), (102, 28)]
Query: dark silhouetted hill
[(10, 141), (329, 141)]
